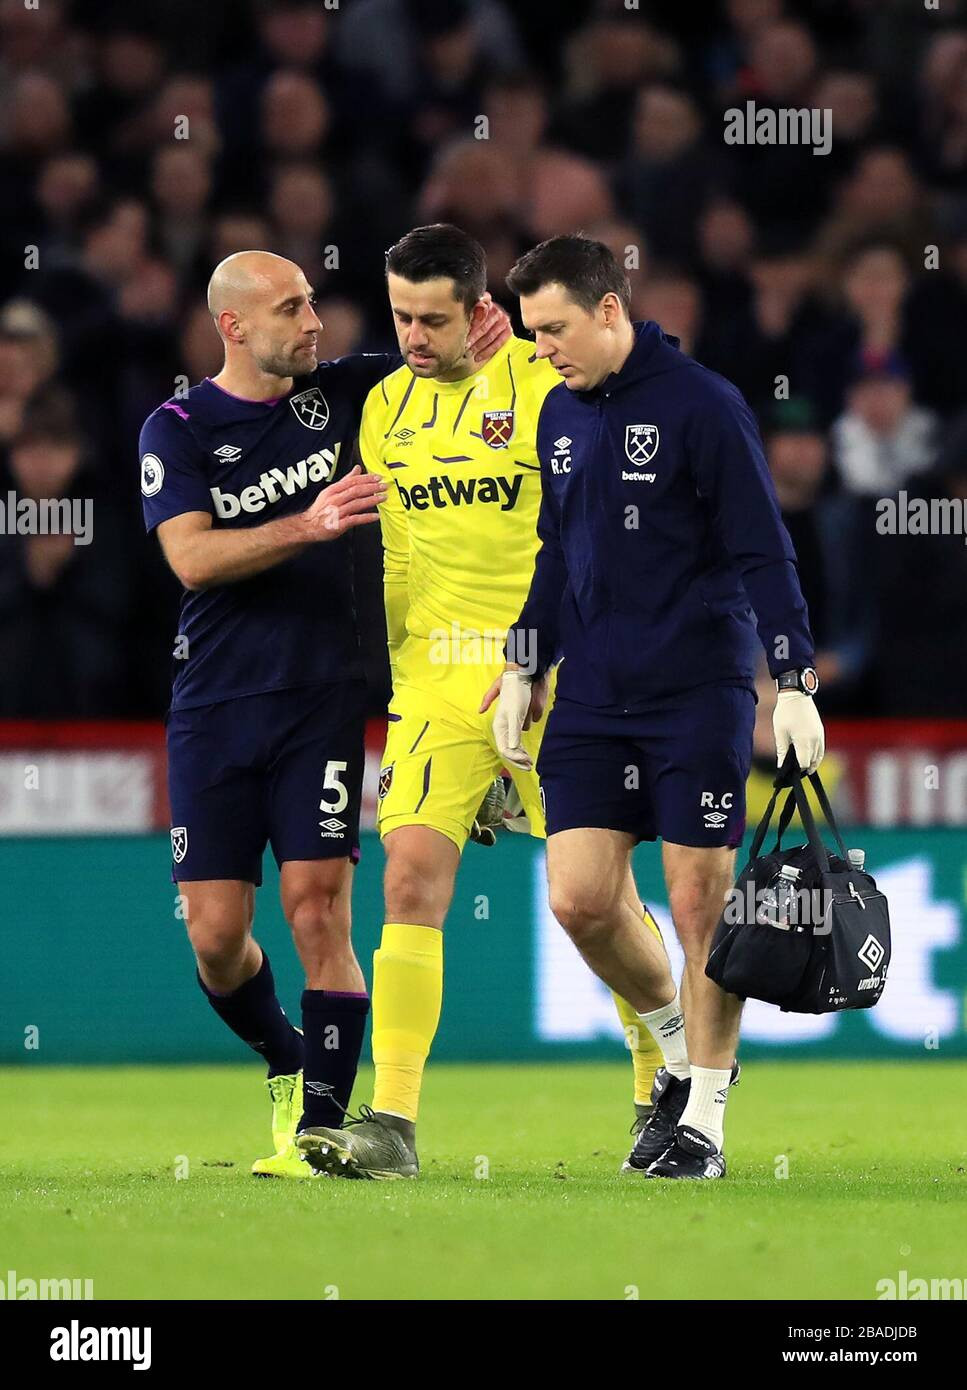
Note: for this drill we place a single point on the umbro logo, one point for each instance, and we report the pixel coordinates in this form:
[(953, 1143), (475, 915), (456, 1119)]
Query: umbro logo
[(331, 827), (228, 453), (714, 819), (404, 436), (871, 954), (561, 457), (672, 1025)]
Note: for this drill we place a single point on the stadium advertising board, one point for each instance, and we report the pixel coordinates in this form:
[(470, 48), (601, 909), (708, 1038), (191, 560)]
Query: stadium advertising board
[(515, 987)]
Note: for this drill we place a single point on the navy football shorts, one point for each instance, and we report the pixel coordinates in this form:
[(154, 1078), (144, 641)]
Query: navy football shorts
[(284, 768), (678, 771)]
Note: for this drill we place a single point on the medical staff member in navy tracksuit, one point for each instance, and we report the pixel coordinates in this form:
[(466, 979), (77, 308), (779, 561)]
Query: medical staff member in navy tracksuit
[(663, 563)]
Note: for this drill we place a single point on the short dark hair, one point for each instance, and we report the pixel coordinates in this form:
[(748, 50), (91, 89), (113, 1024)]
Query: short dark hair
[(441, 250), (586, 268)]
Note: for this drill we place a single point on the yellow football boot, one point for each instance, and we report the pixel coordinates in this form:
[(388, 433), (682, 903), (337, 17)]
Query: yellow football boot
[(286, 1162)]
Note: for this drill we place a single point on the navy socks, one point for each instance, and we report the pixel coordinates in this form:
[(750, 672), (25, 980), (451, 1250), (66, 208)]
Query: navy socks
[(333, 1024), (255, 1015)]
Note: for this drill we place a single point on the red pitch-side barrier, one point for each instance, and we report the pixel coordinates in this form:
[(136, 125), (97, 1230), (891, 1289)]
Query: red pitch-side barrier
[(109, 776)]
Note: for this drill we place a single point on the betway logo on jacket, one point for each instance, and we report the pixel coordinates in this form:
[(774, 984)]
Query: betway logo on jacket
[(276, 483), (446, 491)]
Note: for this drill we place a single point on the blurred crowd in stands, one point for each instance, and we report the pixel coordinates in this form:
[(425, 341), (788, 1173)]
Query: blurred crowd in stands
[(832, 289)]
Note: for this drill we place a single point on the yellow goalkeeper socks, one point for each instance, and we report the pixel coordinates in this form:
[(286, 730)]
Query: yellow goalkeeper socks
[(646, 1055), (407, 996)]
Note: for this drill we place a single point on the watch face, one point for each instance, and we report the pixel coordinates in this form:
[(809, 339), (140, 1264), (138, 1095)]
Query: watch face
[(810, 681)]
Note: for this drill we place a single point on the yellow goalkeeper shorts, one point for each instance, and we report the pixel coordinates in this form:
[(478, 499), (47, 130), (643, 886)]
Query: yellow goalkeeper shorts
[(440, 755)]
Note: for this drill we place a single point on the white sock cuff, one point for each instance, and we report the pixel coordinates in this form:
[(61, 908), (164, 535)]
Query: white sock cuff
[(667, 1026), (711, 1077), (656, 1017)]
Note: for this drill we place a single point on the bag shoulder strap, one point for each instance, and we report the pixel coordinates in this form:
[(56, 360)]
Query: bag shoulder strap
[(785, 818), (827, 811), (783, 781), (763, 826), (806, 816)]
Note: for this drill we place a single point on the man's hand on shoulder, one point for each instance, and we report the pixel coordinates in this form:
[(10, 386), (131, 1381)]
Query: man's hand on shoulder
[(491, 333)]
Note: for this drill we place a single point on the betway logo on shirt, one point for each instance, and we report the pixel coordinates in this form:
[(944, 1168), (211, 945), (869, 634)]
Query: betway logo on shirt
[(276, 483), (446, 491)]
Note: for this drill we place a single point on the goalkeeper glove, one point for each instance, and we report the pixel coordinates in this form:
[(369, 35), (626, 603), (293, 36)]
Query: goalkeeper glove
[(490, 816)]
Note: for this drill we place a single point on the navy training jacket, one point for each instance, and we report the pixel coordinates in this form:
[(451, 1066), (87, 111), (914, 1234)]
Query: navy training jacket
[(662, 547)]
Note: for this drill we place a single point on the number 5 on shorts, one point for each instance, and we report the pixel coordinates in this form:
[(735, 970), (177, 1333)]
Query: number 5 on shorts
[(333, 782)]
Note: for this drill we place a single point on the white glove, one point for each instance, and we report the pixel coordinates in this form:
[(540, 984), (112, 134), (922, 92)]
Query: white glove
[(513, 707), (796, 720)]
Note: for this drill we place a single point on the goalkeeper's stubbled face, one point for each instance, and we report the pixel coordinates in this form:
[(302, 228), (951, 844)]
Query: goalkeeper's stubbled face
[(432, 326)]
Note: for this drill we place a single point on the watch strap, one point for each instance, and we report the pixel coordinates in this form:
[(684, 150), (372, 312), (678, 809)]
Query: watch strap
[(804, 680)]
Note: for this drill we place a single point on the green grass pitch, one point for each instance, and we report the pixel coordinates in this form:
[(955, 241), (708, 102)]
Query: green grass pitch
[(876, 1156)]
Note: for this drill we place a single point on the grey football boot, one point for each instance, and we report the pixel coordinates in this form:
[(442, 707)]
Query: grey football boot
[(369, 1146)]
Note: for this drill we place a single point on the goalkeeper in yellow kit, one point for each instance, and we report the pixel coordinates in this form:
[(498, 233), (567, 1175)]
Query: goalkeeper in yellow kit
[(459, 528)]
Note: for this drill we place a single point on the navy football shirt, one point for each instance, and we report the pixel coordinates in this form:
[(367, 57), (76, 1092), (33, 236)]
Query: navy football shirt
[(245, 463)]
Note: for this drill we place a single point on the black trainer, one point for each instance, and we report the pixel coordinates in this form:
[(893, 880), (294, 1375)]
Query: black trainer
[(656, 1134), (691, 1155)]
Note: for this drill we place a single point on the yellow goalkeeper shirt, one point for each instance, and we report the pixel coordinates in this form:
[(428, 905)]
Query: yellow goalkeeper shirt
[(460, 524)]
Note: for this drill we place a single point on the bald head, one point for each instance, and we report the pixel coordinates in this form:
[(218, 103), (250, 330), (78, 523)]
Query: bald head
[(262, 307), (248, 275)]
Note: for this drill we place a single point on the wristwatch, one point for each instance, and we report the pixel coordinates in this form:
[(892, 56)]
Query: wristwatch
[(804, 680)]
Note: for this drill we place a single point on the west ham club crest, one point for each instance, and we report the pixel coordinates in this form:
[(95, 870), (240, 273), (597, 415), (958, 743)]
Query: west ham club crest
[(311, 408), (497, 428)]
